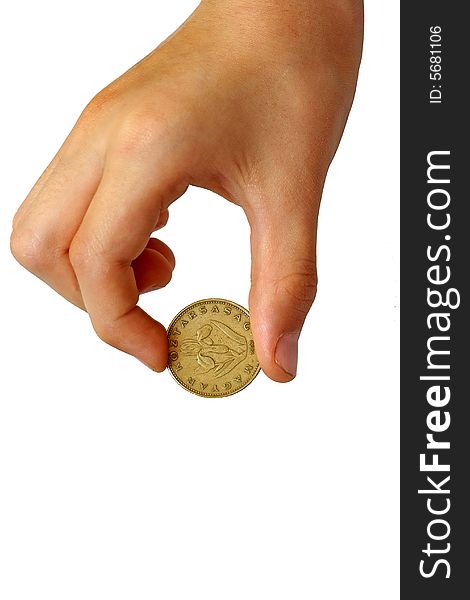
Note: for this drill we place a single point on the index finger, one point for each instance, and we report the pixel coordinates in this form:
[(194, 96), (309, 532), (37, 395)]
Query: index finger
[(113, 233)]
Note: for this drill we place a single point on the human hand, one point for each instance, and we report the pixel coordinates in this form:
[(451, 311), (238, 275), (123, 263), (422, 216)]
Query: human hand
[(247, 99)]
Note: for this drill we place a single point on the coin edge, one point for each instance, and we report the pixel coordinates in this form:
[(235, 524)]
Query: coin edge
[(185, 309)]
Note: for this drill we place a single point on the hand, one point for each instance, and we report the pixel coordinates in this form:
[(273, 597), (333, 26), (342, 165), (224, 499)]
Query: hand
[(247, 99)]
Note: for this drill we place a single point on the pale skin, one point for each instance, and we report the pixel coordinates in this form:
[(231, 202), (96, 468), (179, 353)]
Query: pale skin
[(248, 99)]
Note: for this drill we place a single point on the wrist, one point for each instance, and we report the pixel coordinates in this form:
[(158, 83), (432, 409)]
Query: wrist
[(285, 14), (303, 32)]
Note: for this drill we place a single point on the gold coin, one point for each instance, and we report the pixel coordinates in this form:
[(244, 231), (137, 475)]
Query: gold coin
[(211, 351)]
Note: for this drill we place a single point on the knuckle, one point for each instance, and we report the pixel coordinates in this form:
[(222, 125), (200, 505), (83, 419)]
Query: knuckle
[(133, 139), (300, 285), (94, 113), (140, 131), (96, 106), (31, 249), (17, 216)]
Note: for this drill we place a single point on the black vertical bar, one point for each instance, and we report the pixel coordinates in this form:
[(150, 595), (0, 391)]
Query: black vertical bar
[(434, 118)]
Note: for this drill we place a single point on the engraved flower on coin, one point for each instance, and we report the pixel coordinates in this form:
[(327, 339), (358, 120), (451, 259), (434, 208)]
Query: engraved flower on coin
[(217, 348)]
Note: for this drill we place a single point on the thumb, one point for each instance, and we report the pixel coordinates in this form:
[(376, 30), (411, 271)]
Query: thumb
[(283, 281)]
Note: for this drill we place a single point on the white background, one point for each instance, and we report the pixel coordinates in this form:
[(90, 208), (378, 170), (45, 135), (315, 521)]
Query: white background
[(115, 483)]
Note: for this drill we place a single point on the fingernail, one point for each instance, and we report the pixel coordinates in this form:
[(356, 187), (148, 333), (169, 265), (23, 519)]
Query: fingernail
[(287, 352)]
